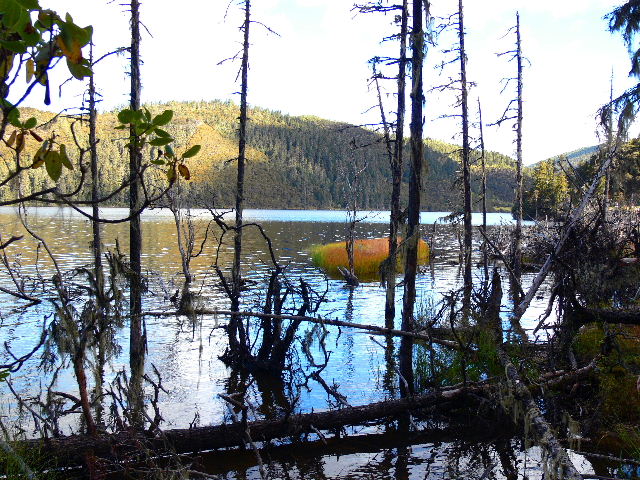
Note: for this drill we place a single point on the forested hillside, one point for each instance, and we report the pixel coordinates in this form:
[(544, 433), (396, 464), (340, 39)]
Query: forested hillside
[(553, 185), (293, 162)]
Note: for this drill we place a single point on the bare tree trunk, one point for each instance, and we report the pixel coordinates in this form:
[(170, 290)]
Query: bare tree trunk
[(350, 275), (81, 377), (605, 199), (466, 171), (101, 303), (396, 173), (236, 330), (137, 339), (485, 263), (415, 187), (517, 250)]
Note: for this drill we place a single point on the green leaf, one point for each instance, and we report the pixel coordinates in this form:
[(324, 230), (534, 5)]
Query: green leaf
[(38, 158), (11, 13), (30, 4), (169, 151), (137, 116), (171, 174), (125, 116), (192, 152), (158, 162), (161, 133), (30, 35), (15, 46), (160, 141), (164, 118), (147, 114), (79, 70), (54, 165), (46, 19), (30, 123), (142, 128), (64, 158), (14, 118), (4, 374)]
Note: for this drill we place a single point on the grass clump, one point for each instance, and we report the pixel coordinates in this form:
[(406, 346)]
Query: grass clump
[(368, 256)]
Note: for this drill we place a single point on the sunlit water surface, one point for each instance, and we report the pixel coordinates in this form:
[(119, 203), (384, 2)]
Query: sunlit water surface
[(186, 353)]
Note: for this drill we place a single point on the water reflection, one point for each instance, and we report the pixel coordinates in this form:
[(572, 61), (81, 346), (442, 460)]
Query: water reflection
[(187, 352)]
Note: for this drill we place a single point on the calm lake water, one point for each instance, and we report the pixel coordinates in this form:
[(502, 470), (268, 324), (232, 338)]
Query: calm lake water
[(186, 353)]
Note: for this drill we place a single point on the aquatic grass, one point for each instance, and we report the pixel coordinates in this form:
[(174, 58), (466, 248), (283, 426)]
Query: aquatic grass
[(368, 256)]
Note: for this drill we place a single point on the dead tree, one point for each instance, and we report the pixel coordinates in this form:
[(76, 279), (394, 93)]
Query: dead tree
[(236, 330), (415, 188), (485, 265), (137, 338), (466, 160), (609, 133), (396, 169), (352, 174), (515, 113), (101, 301), (394, 146)]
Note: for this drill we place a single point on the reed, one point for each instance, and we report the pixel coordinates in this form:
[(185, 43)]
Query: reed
[(368, 255)]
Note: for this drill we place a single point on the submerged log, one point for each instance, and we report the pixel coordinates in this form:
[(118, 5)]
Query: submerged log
[(71, 450), (581, 315)]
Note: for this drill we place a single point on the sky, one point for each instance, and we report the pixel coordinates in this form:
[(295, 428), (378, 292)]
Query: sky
[(317, 64)]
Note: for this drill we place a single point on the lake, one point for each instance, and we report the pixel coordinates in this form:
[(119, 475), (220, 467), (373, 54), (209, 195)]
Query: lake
[(186, 352)]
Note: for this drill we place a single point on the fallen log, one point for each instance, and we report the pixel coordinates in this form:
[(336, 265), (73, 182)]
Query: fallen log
[(321, 321), (581, 315), (71, 450), (484, 431)]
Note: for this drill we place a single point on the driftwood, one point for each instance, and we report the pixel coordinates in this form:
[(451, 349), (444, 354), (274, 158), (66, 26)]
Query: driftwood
[(71, 450), (556, 456)]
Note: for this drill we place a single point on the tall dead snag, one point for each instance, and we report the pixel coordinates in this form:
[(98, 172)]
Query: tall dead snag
[(466, 160), (609, 133), (137, 338), (102, 303), (485, 263), (517, 248), (512, 113), (352, 174), (238, 343), (394, 144), (415, 187), (396, 172)]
